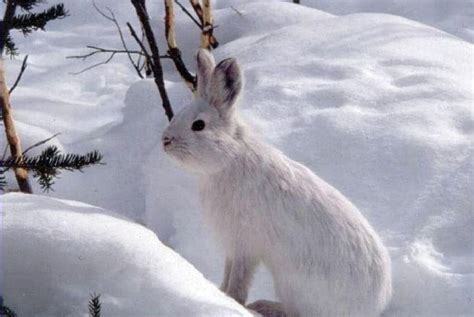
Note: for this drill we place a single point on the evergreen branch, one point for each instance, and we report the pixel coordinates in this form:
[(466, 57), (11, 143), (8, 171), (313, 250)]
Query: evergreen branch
[(5, 25), (48, 165), (3, 183), (27, 5), (30, 22), (94, 305), (10, 46), (6, 312), (18, 78)]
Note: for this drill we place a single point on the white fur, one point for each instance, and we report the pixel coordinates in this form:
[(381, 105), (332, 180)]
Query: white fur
[(325, 258)]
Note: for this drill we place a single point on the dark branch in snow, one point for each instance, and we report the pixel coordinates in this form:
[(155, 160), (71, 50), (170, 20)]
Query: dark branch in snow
[(189, 14), (18, 78), (142, 14), (173, 49), (40, 143)]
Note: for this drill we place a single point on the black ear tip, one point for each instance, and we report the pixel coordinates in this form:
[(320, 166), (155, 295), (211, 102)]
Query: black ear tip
[(225, 63), (229, 66)]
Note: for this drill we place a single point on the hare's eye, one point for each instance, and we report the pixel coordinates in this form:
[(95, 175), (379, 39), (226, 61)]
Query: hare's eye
[(198, 125)]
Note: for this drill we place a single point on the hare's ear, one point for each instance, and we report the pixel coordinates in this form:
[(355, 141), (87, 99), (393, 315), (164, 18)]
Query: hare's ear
[(205, 66), (225, 86)]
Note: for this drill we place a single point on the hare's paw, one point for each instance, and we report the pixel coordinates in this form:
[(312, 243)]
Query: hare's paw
[(267, 308)]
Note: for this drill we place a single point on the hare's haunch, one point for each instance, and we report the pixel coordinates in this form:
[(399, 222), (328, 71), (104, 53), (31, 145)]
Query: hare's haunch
[(325, 258)]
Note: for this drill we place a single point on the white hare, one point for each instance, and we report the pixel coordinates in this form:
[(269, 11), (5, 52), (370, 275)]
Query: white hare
[(325, 258)]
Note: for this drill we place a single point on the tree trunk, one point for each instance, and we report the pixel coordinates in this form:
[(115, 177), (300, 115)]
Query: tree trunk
[(173, 49), (207, 26), (13, 140), (21, 174), (208, 39)]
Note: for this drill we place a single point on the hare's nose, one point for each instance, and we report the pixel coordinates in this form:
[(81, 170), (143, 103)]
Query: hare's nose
[(167, 140)]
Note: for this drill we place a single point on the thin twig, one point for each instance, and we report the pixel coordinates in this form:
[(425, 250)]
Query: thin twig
[(236, 11), (98, 50), (18, 78), (122, 39), (5, 152), (140, 57), (189, 14), (139, 42), (95, 65), (33, 146), (40, 143)]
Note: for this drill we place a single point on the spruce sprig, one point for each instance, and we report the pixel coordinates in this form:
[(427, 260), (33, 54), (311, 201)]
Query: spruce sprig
[(48, 165), (10, 46), (6, 312), (95, 305), (29, 22), (27, 5)]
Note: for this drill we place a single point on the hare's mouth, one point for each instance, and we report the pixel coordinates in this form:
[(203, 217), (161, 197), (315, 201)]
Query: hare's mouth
[(177, 150)]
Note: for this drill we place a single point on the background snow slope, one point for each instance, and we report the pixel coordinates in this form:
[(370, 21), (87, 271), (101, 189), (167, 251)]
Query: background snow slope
[(57, 252), (378, 105)]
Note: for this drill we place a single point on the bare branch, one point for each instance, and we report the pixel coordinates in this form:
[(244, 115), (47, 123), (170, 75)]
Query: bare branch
[(40, 143), (95, 65), (236, 11), (98, 50), (18, 78), (142, 14), (139, 42), (112, 18), (188, 14)]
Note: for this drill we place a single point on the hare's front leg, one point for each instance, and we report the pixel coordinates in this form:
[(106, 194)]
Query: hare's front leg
[(237, 277), (225, 280)]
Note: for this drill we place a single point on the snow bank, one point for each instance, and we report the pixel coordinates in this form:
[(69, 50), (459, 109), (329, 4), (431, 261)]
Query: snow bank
[(453, 16), (57, 252)]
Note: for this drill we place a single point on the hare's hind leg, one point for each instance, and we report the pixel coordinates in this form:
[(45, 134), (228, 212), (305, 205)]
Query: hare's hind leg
[(268, 308), (239, 274)]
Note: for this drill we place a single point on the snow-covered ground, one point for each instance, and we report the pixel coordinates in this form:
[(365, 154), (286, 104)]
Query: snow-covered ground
[(57, 252), (378, 105)]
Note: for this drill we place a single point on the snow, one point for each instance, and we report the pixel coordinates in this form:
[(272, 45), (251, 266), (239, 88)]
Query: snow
[(374, 101), (57, 252)]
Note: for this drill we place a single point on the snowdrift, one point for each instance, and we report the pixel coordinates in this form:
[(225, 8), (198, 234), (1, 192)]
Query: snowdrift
[(379, 106), (57, 252)]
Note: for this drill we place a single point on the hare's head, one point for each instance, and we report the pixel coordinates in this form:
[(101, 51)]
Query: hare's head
[(206, 135)]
